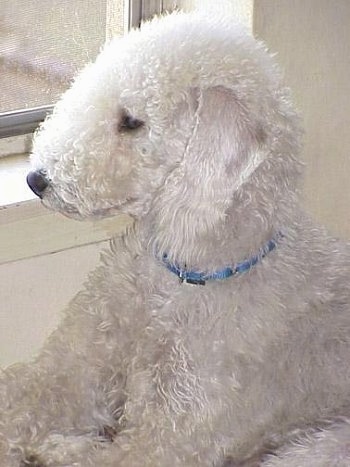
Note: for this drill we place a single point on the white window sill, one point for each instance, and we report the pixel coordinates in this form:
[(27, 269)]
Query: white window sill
[(27, 229), (13, 186)]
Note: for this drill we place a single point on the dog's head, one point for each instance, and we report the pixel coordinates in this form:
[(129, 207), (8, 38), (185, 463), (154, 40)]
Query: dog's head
[(180, 116)]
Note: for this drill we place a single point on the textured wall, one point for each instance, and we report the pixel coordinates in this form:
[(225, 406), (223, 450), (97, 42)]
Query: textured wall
[(312, 38)]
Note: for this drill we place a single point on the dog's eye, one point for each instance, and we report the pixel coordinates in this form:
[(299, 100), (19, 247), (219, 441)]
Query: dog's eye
[(129, 122)]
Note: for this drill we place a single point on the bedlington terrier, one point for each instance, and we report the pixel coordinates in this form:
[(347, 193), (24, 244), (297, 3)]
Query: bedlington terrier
[(216, 331)]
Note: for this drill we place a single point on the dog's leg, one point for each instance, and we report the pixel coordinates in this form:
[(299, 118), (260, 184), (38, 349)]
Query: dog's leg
[(70, 401), (45, 422), (64, 404), (57, 409)]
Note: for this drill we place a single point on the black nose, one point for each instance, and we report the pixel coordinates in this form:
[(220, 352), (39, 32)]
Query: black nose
[(37, 182)]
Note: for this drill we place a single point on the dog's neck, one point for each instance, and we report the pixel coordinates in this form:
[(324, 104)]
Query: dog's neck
[(241, 233), (211, 250), (201, 277)]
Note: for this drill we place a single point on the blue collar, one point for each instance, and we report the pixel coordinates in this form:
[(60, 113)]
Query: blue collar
[(200, 278)]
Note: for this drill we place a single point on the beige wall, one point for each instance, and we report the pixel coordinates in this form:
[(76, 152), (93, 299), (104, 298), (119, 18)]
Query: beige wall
[(240, 10), (33, 293), (312, 38)]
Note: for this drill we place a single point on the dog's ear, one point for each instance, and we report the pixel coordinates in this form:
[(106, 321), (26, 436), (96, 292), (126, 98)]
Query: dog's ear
[(223, 149), (225, 135)]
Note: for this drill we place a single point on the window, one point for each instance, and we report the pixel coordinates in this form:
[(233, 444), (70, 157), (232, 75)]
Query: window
[(44, 46)]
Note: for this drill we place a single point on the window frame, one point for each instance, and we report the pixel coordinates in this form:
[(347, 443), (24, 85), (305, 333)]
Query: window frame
[(22, 122)]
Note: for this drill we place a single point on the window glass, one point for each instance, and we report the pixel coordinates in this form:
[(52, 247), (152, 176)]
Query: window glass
[(44, 42)]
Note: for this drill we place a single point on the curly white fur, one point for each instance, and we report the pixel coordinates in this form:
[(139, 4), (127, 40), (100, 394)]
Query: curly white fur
[(144, 370)]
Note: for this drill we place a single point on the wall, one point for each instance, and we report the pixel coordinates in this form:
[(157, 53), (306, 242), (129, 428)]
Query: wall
[(240, 10), (33, 293), (312, 39)]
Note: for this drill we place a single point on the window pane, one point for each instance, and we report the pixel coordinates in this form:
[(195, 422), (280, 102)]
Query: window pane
[(44, 42)]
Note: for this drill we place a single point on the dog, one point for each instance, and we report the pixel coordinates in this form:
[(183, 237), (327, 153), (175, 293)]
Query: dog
[(216, 331)]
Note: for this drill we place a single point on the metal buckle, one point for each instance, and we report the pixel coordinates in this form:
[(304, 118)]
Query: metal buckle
[(184, 279)]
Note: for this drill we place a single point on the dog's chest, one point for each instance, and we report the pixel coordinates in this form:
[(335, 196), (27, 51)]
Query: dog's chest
[(199, 336)]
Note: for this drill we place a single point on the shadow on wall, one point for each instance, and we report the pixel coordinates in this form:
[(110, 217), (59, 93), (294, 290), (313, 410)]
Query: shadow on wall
[(312, 40)]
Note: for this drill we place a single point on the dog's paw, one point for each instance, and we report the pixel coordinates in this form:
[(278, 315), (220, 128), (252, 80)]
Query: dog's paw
[(60, 451), (32, 460)]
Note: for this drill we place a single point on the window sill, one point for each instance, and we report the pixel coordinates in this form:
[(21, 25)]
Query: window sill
[(27, 229), (13, 171)]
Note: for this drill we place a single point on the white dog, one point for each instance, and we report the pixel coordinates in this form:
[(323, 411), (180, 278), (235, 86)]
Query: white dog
[(217, 330)]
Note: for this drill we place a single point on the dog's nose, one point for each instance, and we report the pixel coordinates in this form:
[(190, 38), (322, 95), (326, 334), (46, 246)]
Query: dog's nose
[(37, 182)]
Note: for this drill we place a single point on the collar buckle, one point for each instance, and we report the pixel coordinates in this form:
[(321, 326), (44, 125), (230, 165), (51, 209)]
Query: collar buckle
[(190, 281), (185, 277)]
